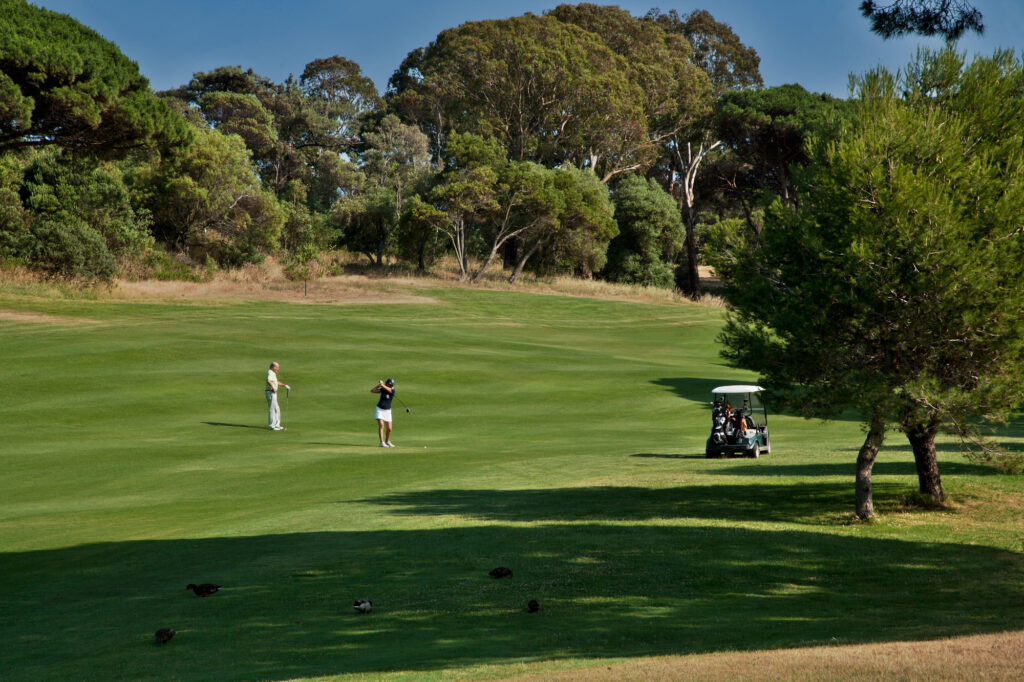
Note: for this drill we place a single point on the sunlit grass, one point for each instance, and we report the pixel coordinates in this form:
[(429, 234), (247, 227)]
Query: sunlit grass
[(561, 436)]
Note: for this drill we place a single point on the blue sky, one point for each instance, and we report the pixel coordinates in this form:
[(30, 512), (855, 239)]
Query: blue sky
[(816, 43)]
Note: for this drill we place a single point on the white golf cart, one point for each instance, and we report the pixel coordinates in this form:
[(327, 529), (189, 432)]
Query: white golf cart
[(739, 422)]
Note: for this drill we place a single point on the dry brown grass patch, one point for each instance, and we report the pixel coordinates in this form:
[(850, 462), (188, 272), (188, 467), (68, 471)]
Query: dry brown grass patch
[(977, 657), (40, 318), (264, 284)]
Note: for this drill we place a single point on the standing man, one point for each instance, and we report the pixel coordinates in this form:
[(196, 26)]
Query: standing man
[(383, 411), (273, 409)]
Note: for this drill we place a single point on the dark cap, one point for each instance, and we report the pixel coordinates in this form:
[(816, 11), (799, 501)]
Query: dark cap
[(390, 381)]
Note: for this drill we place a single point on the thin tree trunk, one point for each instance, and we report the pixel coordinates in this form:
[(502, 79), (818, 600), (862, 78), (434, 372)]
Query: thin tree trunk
[(421, 256), (487, 263), (522, 261), (692, 274), (922, 440), (865, 505)]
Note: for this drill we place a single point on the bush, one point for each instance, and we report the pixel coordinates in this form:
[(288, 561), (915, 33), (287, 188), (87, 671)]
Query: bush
[(69, 248), (650, 236)]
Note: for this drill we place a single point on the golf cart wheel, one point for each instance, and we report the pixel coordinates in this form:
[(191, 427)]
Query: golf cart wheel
[(755, 451)]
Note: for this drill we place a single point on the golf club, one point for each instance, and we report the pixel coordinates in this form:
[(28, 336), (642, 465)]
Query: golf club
[(403, 404), (287, 392)]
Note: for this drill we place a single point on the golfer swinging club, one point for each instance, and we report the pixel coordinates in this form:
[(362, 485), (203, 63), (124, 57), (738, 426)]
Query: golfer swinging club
[(273, 409), (383, 411)]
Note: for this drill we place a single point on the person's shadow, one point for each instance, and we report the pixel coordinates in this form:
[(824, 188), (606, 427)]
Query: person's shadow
[(238, 426)]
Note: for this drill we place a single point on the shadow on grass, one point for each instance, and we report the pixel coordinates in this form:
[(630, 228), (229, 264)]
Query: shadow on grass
[(606, 589), (846, 468), (653, 455), (790, 502), (237, 426)]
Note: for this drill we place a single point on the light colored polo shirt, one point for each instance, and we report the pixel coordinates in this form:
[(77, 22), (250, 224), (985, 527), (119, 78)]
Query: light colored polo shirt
[(271, 379)]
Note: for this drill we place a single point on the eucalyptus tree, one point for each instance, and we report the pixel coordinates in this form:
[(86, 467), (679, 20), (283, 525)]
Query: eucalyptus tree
[(298, 131), (730, 66), (394, 167), (548, 91), (894, 286), (465, 191)]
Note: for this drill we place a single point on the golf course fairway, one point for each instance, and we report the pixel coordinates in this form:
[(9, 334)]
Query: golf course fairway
[(561, 437)]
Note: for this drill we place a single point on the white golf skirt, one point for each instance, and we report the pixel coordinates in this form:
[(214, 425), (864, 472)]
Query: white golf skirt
[(384, 415)]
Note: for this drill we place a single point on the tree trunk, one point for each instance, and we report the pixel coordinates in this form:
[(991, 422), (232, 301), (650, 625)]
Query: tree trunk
[(522, 261), (487, 263), (865, 461), (691, 283), (922, 440), (421, 256)]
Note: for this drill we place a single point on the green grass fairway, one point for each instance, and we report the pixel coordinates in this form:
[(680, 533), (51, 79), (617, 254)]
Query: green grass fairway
[(561, 437)]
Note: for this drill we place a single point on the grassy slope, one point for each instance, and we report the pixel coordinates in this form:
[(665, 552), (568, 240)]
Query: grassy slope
[(564, 439)]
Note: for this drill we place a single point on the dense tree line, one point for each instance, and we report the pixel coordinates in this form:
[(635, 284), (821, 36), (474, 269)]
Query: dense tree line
[(501, 142)]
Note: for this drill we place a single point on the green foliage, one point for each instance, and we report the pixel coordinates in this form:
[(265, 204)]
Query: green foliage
[(578, 242), (62, 84), (549, 91), (720, 241), (65, 245), (465, 190), (717, 50), (947, 18), (296, 131), (650, 236), (162, 266), (895, 286), (209, 201), (84, 207), (419, 235), (303, 230), (659, 61), (767, 131), (13, 216), (67, 185), (366, 222)]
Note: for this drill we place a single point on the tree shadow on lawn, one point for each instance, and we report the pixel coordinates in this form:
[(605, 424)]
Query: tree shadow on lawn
[(606, 590), (801, 503), (845, 468)]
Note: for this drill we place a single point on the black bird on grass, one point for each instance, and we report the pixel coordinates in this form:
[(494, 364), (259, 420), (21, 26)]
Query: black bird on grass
[(533, 606), (363, 605), (501, 572), (203, 589), (163, 635)]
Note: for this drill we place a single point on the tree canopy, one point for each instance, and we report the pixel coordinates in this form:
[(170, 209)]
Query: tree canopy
[(947, 18), (585, 85), (893, 287), (62, 84)]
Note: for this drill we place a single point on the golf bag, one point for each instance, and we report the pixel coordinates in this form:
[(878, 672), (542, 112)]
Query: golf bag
[(719, 421)]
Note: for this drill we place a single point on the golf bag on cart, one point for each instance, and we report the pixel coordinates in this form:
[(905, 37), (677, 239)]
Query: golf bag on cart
[(719, 420)]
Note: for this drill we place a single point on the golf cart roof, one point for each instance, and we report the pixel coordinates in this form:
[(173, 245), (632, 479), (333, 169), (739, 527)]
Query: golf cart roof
[(738, 388)]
